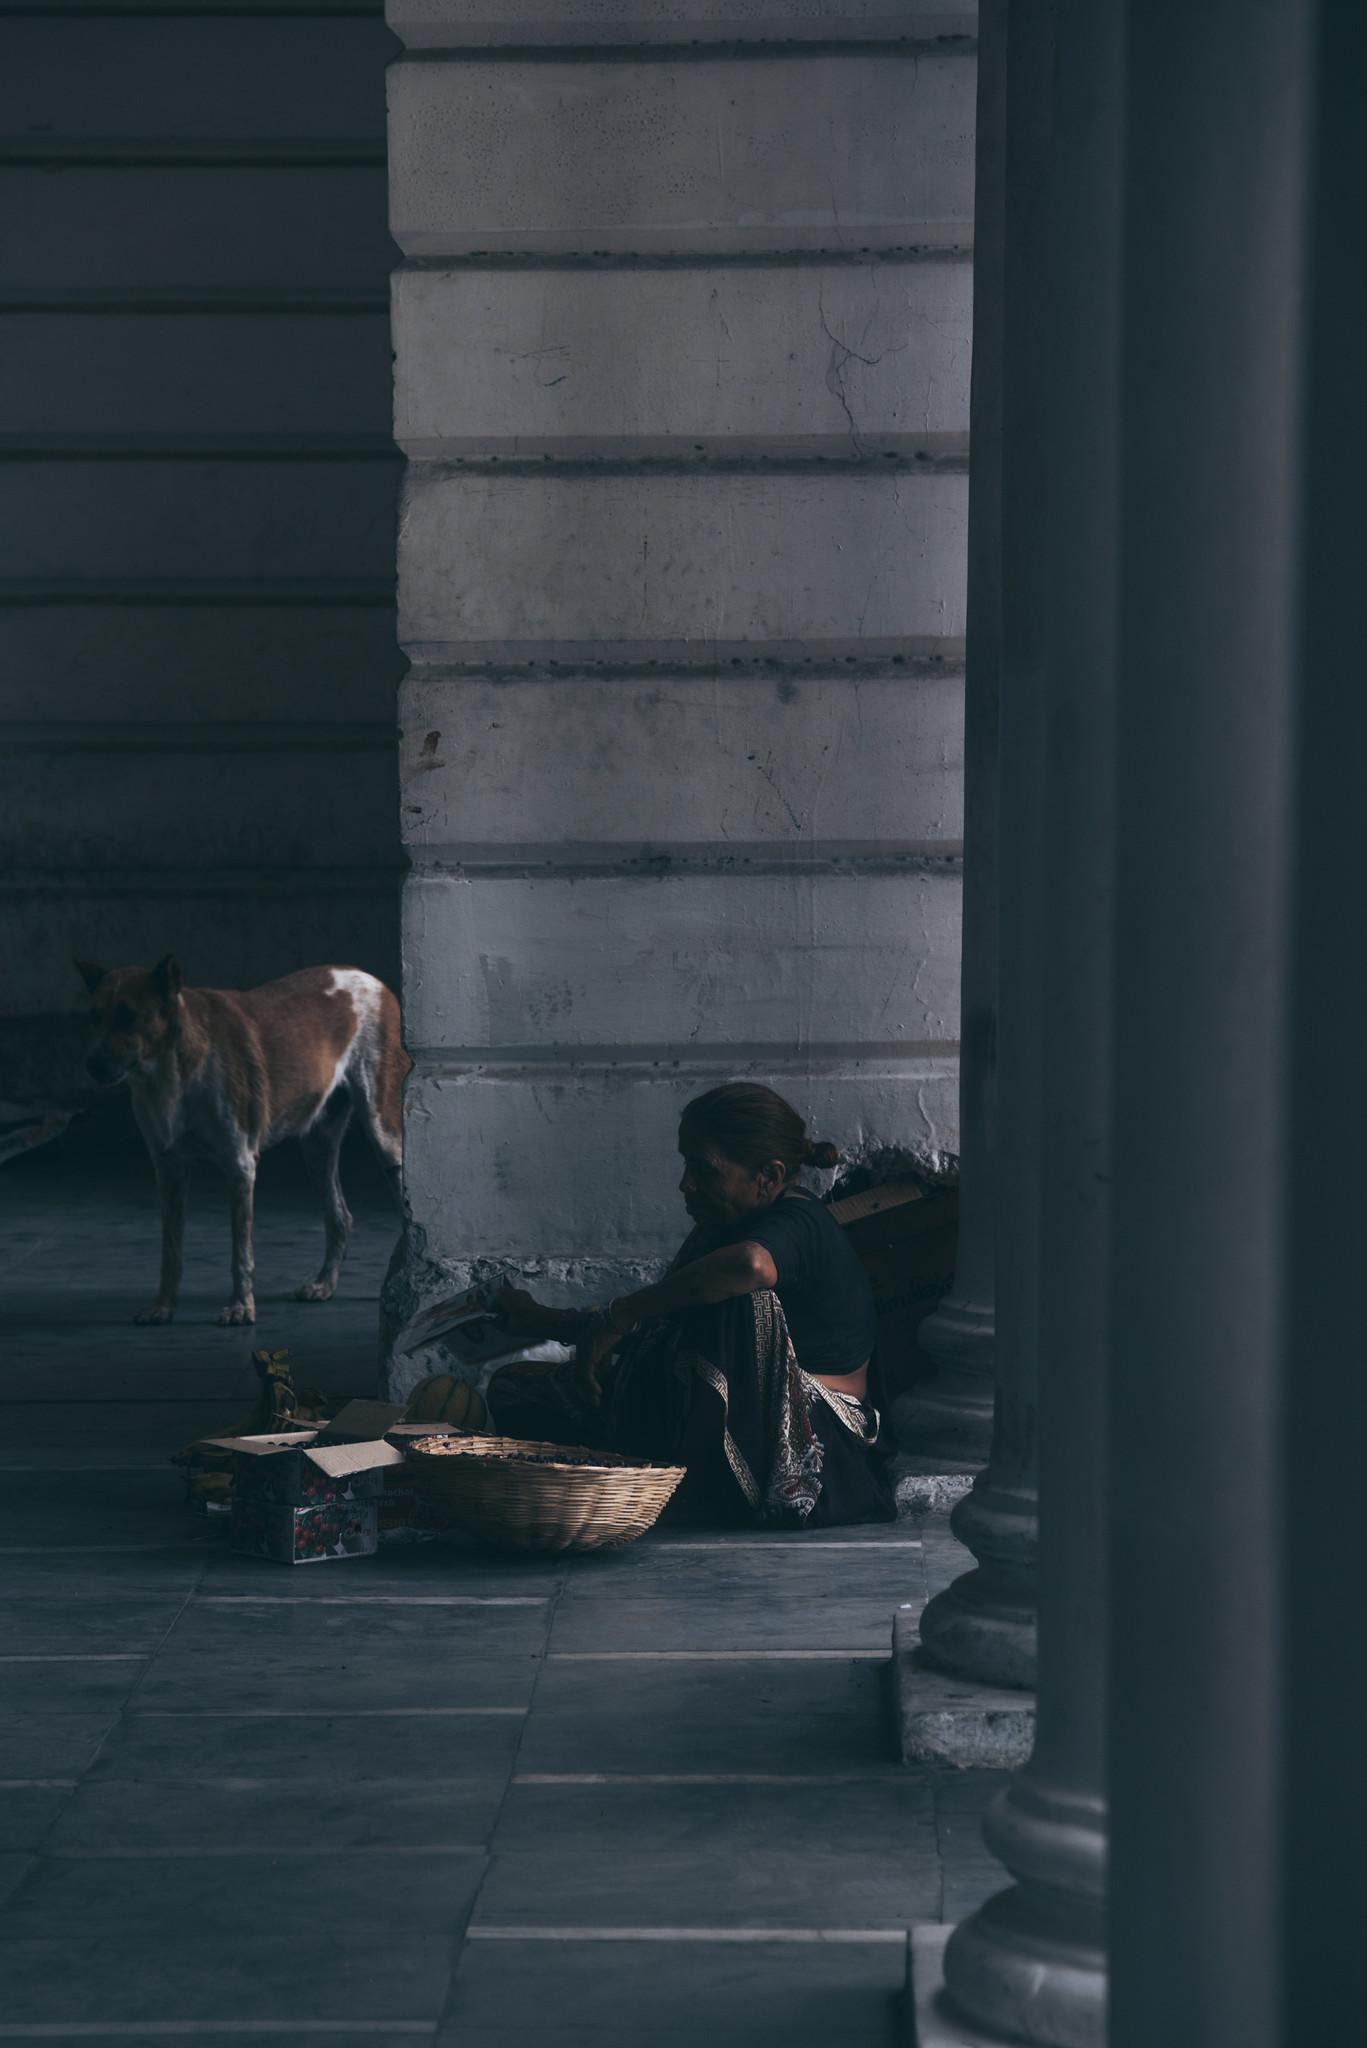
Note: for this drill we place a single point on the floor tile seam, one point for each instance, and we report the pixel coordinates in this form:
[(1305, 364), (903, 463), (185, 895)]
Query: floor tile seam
[(890, 1774), (170, 2030), (371, 1599), (925, 1577), (103, 1549), (80, 1471), (718, 1936), (325, 1713), (116, 1721), (446, 2015), (785, 1543), (271, 1851), (218, 1781), (109, 1399), (936, 1817), (129, 1704), (838, 1656)]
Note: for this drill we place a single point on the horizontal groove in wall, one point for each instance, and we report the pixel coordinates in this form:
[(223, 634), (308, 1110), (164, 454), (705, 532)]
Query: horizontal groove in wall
[(683, 658), (370, 301), (539, 1063), (954, 245), (193, 448), (227, 592), (203, 737), (911, 255), (204, 882), (954, 242), (918, 659), (654, 863), (58, 152), (910, 454), (910, 47)]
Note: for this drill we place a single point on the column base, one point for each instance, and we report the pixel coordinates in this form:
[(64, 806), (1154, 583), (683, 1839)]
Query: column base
[(1031, 1965), (933, 2023), (944, 1720), (982, 1628), (950, 1415)]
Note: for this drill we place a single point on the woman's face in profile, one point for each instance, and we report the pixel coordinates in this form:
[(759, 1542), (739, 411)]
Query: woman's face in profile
[(716, 1189)]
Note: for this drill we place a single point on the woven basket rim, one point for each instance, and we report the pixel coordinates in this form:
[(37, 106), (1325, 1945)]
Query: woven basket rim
[(525, 1452)]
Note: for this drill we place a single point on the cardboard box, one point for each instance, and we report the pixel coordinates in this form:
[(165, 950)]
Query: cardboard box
[(295, 1473), (293, 1535), (300, 1468), (303, 1495)]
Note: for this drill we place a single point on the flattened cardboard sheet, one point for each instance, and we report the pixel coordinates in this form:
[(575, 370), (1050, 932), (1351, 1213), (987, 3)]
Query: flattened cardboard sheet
[(337, 1460), (263, 1446), (362, 1422), (892, 1194)]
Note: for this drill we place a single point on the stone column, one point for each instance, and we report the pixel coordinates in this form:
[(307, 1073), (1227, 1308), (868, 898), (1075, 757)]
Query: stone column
[(1031, 1965), (950, 1415), (983, 1626), (1238, 1415), (682, 355)]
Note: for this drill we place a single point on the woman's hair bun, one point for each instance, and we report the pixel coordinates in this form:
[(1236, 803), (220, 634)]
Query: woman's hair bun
[(749, 1124)]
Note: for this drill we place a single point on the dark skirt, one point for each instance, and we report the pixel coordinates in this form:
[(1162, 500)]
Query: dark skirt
[(720, 1391)]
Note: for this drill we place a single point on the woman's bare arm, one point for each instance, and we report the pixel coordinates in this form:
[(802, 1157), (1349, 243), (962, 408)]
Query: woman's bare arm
[(718, 1276), (724, 1275), (531, 1322)]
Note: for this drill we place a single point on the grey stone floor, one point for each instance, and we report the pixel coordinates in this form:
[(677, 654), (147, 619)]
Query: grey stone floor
[(430, 1796)]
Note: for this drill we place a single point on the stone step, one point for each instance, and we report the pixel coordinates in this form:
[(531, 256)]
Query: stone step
[(955, 1721), (927, 1486)]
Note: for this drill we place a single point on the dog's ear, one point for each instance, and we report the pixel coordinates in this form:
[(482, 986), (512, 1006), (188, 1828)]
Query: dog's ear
[(166, 977), (90, 974)]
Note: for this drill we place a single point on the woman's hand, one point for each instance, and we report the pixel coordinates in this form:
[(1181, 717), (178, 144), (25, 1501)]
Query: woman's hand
[(530, 1321), (592, 1352)]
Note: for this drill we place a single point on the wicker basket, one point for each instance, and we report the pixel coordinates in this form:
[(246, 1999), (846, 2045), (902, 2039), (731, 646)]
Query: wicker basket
[(534, 1496)]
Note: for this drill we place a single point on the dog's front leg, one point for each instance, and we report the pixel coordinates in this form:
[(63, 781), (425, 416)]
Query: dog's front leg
[(173, 1186), (242, 1307)]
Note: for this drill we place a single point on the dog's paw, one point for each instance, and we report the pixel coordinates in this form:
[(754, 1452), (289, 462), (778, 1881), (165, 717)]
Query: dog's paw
[(155, 1312), (238, 1312), (316, 1290)]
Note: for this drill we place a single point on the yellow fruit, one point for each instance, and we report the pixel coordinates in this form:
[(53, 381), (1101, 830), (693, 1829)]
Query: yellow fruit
[(444, 1398)]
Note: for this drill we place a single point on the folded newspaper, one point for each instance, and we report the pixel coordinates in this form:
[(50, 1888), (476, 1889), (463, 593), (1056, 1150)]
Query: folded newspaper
[(468, 1324)]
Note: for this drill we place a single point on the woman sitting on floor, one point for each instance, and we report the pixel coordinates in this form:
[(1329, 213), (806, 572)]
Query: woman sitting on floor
[(750, 1361)]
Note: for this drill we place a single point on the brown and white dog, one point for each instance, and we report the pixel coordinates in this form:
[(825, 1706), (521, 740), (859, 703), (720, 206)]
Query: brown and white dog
[(224, 1073)]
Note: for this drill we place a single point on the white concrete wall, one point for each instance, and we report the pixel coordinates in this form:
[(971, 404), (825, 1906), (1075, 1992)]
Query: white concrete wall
[(197, 493), (682, 355)]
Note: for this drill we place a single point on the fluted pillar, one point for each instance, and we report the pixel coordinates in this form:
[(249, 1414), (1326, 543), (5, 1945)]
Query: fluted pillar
[(1030, 1965), (1239, 1795), (983, 1626), (950, 1415)]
